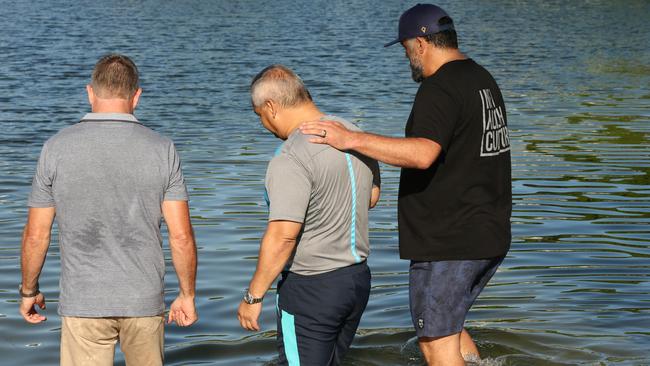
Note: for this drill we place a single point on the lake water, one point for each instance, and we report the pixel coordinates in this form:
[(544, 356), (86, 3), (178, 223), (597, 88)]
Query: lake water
[(575, 287)]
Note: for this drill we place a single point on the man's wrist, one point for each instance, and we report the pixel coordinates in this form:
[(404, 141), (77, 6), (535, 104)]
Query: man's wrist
[(355, 140), (27, 292), (251, 299), (186, 294)]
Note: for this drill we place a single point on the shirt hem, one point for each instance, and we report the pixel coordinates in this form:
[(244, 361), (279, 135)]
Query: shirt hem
[(455, 256), (286, 218), (116, 308), (106, 313), (176, 198), (40, 204)]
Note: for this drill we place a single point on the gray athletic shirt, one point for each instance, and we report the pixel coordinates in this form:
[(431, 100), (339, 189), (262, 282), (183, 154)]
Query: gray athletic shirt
[(329, 192), (107, 177)]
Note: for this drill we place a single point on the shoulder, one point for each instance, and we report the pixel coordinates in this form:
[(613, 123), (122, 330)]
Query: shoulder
[(79, 133), (298, 148), (461, 73), (349, 125), (435, 91), (285, 165), (152, 136), (63, 137), (450, 81)]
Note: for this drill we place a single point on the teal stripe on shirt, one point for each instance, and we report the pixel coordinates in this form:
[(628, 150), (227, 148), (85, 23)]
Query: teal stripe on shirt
[(353, 228)]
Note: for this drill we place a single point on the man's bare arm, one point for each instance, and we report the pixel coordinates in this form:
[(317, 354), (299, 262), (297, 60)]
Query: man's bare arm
[(183, 249), (277, 245), (36, 241), (405, 152)]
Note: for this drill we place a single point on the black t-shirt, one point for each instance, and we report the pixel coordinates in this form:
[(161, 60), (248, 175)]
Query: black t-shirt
[(460, 207)]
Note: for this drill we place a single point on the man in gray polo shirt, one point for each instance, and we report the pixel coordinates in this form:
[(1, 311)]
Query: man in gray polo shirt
[(318, 225), (110, 180)]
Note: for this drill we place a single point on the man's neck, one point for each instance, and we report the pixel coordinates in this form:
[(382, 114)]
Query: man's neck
[(439, 57), (298, 115), (112, 106)]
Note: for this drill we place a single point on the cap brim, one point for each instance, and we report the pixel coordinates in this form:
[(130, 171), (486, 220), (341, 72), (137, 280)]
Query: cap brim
[(392, 43)]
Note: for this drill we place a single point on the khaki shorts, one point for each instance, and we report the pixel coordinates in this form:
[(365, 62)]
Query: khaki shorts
[(91, 341)]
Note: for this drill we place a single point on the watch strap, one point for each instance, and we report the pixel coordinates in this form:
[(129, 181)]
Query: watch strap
[(35, 292), (249, 299)]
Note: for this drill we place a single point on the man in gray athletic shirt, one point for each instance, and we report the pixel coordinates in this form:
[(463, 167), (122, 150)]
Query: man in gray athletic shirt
[(318, 226), (110, 180)]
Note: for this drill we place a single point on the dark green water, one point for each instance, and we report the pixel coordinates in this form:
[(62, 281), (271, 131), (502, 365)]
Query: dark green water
[(575, 288)]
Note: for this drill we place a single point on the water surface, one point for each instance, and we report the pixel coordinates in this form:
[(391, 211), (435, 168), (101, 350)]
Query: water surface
[(574, 289)]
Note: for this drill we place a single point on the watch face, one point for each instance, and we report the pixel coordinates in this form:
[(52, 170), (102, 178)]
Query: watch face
[(249, 299)]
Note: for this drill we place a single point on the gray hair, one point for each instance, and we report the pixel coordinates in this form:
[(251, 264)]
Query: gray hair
[(280, 84)]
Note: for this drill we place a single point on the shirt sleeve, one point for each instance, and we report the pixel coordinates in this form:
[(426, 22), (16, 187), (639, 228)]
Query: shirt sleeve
[(376, 177), (288, 186), (176, 189), (41, 194), (434, 115)]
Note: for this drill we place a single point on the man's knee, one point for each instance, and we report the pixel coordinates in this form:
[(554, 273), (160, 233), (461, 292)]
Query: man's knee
[(443, 350), (452, 340)]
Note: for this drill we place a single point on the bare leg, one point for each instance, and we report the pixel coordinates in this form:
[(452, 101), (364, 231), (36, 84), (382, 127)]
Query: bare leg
[(467, 347), (442, 351)]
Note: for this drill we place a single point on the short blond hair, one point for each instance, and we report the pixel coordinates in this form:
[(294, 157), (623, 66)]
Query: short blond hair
[(115, 76)]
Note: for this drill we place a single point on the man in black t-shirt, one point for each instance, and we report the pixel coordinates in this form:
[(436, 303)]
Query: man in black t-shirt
[(455, 195)]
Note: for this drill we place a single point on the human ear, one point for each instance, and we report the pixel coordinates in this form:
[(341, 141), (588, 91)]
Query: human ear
[(91, 94), (421, 42), (136, 98), (271, 107)]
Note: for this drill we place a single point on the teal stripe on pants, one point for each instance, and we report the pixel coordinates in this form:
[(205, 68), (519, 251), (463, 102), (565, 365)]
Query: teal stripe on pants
[(289, 338)]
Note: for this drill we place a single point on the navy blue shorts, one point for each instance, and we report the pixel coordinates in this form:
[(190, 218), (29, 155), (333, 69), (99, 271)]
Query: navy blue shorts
[(318, 315), (441, 293)]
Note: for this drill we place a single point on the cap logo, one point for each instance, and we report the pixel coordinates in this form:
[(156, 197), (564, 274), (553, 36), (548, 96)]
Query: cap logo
[(423, 29)]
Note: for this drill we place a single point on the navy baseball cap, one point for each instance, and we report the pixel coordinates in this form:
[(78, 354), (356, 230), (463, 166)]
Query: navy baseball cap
[(419, 21)]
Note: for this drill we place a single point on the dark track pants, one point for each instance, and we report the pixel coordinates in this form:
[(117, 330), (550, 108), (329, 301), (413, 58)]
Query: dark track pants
[(319, 315)]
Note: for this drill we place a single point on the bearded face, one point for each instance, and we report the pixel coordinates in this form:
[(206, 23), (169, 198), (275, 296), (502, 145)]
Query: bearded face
[(415, 62), (417, 70)]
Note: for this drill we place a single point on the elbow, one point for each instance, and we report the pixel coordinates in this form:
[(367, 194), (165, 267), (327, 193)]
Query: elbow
[(288, 244), (31, 243), (426, 154), (33, 239), (181, 240), (423, 163), (180, 237), (285, 246)]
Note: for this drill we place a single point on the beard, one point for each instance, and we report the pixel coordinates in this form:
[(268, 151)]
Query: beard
[(417, 70)]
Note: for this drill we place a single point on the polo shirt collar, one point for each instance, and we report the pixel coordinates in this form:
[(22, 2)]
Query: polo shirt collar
[(116, 117)]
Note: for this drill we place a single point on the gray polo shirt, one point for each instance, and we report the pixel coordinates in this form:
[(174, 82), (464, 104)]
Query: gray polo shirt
[(329, 192), (107, 177)]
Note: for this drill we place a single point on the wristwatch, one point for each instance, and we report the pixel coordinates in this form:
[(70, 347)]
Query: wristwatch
[(30, 294), (250, 300)]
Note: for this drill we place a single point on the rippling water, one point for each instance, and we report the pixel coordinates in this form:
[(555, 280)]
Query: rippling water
[(575, 288)]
